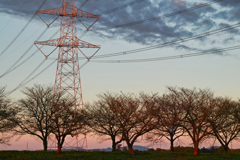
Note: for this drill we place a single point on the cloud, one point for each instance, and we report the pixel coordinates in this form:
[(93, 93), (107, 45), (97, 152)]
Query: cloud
[(148, 33), (184, 47)]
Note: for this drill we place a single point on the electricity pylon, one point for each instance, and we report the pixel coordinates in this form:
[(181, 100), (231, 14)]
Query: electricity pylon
[(67, 78)]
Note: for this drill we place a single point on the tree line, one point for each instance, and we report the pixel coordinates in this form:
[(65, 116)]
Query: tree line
[(118, 117)]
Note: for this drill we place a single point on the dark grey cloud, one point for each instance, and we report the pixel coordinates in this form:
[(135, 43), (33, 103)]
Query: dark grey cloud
[(184, 47), (149, 33)]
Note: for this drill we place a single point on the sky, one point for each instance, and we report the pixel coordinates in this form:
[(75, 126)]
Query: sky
[(219, 71)]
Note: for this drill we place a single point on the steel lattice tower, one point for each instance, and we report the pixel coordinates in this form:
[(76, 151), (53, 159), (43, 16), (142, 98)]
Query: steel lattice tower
[(67, 78)]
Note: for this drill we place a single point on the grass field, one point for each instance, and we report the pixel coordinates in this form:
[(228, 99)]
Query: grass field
[(40, 155)]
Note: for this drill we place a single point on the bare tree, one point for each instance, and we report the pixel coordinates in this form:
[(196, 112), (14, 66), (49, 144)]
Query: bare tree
[(170, 115), (7, 113), (224, 123), (35, 112), (133, 116), (66, 120), (237, 111), (199, 106), (102, 121)]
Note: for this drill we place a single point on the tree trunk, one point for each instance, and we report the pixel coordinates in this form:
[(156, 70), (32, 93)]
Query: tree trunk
[(45, 147), (130, 149), (225, 147), (60, 144), (59, 150), (113, 144), (172, 148), (196, 153)]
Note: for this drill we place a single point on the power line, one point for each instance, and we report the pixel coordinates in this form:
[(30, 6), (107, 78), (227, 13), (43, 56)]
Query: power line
[(168, 43), (23, 84), (21, 44), (121, 7), (22, 29), (13, 15), (12, 68), (103, 13), (112, 10), (158, 17), (170, 57), (52, 63), (84, 3), (9, 69)]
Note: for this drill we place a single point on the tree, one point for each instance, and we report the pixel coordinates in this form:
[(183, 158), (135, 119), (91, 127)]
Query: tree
[(237, 111), (224, 123), (170, 115), (133, 116), (66, 120), (7, 113), (35, 112), (101, 120), (198, 106)]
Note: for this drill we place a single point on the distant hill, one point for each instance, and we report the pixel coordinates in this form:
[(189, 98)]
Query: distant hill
[(109, 149), (215, 147), (136, 147)]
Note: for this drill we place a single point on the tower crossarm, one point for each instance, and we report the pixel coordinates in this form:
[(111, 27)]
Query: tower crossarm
[(62, 42), (52, 42), (60, 12), (66, 11), (83, 44), (85, 14), (54, 11)]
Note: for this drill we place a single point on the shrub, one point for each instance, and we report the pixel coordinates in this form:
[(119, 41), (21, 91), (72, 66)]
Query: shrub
[(150, 150), (118, 147), (160, 150), (125, 149), (183, 149), (221, 150), (204, 150)]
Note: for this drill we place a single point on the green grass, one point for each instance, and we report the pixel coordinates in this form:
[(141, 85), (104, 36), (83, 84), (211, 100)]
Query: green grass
[(40, 155)]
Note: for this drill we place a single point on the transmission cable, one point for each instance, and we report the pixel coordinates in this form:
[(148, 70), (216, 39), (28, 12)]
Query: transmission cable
[(22, 29), (23, 84), (21, 43), (168, 43), (28, 76), (159, 17), (9, 69), (24, 81), (121, 7), (157, 46), (27, 50), (170, 57), (83, 3), (112, 10), (13, 15), (12, 68)]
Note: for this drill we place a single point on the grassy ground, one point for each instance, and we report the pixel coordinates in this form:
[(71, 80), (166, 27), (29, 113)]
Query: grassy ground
[(40, 155)]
